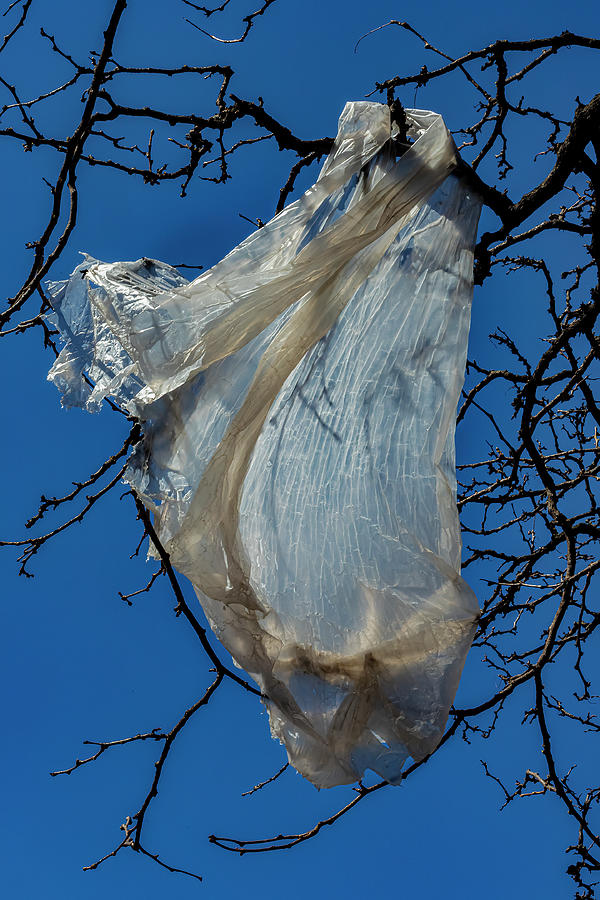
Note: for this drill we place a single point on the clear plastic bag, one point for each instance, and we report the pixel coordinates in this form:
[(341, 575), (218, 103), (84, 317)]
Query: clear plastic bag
[(298, 402)]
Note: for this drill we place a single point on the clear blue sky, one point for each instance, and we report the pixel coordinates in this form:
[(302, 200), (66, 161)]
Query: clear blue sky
[(76, 662)]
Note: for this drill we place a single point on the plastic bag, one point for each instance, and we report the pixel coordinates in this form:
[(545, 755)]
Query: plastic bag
[(298, 402)]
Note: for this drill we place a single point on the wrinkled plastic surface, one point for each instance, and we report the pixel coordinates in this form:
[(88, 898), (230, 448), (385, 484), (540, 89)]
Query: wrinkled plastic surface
[(299, 402)]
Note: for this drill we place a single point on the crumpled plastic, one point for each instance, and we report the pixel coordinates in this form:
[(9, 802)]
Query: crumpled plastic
[(299, 402)]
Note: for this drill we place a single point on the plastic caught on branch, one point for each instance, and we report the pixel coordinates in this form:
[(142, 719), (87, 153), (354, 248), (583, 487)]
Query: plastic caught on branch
[(298, 402)]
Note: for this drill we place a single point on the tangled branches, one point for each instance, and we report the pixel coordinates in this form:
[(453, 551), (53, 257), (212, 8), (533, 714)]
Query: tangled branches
[(529, 501)]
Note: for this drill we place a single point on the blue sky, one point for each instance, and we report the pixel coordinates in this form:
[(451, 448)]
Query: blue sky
[(76, 662)]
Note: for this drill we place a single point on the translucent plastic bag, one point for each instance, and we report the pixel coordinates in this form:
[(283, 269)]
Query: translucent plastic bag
[(298, 402)]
